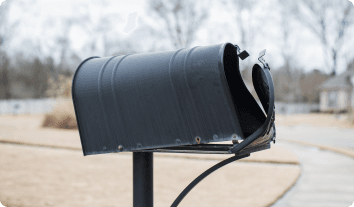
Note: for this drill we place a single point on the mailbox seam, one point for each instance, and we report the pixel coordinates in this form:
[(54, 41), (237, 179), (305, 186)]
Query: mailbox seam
[(102, 105), (193, 104), (116, 103), (216, 125), (183, 117)]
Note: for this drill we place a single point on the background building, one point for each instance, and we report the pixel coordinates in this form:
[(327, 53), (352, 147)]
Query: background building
[(337, 93)]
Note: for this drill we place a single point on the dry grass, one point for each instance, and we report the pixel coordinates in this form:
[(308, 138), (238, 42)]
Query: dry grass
[(41, 177), (62, 117), (351, 116), (27, 130), (316, 120)]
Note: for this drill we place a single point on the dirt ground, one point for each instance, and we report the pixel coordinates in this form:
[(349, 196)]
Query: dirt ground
[(47, 168)]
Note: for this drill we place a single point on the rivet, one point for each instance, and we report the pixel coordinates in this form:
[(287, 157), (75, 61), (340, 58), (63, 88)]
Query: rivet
[(198, 139), (120, 147), (234, 136)]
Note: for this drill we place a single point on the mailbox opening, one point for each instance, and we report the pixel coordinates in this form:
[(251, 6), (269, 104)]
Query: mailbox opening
[(248, 111)]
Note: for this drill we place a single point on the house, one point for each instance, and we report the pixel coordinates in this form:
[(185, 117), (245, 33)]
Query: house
[(337, 93)]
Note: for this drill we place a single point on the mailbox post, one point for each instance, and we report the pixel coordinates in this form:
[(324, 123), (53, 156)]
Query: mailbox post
[(143, 179), (180, 101)]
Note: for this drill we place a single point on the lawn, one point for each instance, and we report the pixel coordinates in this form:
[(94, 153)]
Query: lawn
[(46, 167)]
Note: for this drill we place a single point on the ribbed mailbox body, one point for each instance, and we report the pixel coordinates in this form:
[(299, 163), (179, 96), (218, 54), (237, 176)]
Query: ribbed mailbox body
[(163, 99)]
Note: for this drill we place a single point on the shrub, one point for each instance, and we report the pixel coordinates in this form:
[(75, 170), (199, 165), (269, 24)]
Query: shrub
[(62, 117), (63, 114)]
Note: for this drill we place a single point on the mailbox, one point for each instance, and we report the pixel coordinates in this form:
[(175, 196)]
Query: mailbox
[(175, 101)]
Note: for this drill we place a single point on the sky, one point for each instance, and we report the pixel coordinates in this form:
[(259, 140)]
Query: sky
[(40, 22)]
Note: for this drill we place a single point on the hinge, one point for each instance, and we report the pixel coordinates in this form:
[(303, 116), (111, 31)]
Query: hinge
[(243, 55), (261, 59)]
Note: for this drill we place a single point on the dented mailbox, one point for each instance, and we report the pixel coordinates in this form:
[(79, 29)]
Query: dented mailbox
[(174, 101)]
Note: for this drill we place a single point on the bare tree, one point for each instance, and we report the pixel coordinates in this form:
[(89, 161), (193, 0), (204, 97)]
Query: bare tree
[(63, 40), (249, 26), (309, 83), (329, 20), (350, 65), (100, 31), (247, 30), (287, 86), (285, 32), (5, 79), (6, 31), (181, 18), (6, 28)]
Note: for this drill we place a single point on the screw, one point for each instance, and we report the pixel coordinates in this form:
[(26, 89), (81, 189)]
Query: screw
[(120, 147)]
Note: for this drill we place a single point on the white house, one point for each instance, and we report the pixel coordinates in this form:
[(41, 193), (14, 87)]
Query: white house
[(337, 93)]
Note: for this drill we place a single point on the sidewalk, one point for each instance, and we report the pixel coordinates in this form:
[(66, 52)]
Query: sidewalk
[(326, 155), (327, 179)]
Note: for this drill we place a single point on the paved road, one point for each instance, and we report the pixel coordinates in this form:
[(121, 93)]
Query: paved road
[(327, 179), (324, 136)]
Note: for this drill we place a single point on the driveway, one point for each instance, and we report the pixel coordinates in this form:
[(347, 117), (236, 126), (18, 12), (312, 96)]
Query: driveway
[(327, 178)]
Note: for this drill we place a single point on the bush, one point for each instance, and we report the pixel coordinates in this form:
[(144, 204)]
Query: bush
[(63, 114), (62, 117)]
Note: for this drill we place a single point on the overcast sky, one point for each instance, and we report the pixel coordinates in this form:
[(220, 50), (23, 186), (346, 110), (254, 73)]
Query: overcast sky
[(40, 22)]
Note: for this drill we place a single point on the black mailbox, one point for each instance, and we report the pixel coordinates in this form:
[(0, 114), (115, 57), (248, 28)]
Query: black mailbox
[(174, 101)]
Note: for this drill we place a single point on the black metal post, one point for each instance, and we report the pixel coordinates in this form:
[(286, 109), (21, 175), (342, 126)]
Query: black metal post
[(143, 194)]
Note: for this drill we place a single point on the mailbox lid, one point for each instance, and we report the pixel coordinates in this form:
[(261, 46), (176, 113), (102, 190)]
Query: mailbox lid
[(161, 99)]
